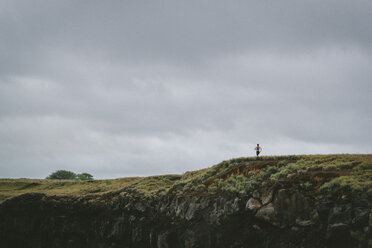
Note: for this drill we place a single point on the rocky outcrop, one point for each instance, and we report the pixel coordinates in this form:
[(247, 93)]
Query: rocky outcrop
[(246, 202), (274, 217)]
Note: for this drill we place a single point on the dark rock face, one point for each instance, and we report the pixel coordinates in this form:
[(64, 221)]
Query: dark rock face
[(277, 216)]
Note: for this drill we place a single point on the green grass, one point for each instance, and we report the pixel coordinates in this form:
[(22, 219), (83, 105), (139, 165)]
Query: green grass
[(14, 187), (359, 180), (154, 184), (238, 176), (243, 175)]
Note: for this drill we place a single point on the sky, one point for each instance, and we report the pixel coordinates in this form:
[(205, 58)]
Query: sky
[(138, 88)]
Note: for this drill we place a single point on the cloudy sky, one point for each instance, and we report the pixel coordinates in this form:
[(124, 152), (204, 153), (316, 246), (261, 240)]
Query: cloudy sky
[(135, 88)]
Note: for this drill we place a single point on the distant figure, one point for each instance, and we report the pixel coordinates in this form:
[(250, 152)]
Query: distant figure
[(258, 149)]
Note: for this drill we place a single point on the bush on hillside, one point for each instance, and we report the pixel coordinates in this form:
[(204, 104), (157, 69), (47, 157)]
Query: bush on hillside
[(62, 174), (84, 176)]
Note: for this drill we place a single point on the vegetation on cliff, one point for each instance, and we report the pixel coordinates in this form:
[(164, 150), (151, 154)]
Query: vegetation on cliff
[(238, 176), (14, 187), (284, 201)]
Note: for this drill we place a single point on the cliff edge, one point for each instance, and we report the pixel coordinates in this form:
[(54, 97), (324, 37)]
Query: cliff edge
[(286, 201)]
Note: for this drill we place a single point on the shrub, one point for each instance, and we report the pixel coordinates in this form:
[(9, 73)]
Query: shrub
[(62, 174), (84, 176)]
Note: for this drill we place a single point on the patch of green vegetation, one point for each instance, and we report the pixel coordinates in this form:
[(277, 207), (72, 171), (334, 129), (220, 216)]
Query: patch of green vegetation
[(359, 180), (243, 175), (241, 184), (69, 175), (315, 163), (154, 184), (240, 176), (13, 187), (62, 174), (227, 176)]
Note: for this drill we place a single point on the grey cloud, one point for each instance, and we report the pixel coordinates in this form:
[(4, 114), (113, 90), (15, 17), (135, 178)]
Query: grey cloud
[(125, 88), (178, 31)]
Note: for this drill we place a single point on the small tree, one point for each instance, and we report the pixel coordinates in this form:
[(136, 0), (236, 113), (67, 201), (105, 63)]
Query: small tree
[(84, 176), (62, 174)]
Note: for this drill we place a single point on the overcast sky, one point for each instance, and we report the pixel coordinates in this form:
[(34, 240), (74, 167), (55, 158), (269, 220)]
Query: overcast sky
[(136, 88)]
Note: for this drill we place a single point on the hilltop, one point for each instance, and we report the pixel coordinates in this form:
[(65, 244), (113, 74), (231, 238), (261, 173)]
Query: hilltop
[(236, 176), (277, 201)]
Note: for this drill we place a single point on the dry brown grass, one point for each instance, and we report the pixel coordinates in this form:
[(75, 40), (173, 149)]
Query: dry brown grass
[(14, 187)]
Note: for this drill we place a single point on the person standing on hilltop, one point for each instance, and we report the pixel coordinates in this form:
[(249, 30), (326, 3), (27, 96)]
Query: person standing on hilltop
[(258, 149)]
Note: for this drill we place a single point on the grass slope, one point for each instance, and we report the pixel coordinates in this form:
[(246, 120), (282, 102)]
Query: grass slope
[(238, 176)]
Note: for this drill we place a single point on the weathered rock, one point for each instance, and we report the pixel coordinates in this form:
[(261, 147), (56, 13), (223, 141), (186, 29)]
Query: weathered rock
[(267, 197), (162, 240), (340, 214), (338, 235), (361, 217), (304, 223), (252, 204), (267, 213), (323, 207), (291, 205), (291, 219), (140, 206)]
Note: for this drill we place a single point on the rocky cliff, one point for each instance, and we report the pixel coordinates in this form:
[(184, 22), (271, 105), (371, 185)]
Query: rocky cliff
[(287, 201)]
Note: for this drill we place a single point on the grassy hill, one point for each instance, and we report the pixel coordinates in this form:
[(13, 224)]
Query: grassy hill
[(236, 176)]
